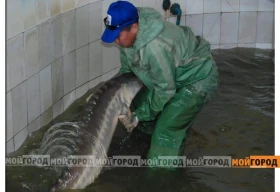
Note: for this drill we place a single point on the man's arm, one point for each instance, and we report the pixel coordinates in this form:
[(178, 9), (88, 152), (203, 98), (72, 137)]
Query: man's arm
[(161, 78)]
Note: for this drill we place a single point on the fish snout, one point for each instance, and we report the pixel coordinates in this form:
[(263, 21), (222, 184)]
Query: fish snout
[(56, 186)]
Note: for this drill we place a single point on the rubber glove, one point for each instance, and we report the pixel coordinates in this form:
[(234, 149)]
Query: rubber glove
[(130, 120)]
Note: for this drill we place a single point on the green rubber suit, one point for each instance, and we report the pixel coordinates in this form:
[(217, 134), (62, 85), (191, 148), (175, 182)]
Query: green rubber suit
[(179, 77)]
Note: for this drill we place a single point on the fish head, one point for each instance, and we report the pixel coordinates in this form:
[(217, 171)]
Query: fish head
[(66, 181), (131, 88)]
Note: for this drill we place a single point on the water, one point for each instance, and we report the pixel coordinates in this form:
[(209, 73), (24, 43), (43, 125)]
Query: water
[(239, 122)]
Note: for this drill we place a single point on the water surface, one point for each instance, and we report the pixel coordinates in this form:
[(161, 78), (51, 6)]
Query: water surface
[(239, 121)]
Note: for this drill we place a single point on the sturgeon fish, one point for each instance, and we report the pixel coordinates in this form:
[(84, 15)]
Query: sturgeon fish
[(98, 126)]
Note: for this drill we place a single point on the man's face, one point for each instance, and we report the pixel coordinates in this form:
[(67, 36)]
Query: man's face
[(127, 37)]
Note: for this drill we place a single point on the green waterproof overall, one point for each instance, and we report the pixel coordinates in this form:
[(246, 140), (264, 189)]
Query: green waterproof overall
[(179, 77)]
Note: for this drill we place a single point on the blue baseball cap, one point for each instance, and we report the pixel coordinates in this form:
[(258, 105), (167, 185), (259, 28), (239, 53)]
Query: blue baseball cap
[(120, 14)]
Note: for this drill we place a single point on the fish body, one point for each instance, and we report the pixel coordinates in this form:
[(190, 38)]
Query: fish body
[(97, 128)]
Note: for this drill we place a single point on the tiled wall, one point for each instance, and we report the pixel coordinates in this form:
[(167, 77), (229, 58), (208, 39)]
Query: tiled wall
[(54, 52), (226, 23), (54, 55)]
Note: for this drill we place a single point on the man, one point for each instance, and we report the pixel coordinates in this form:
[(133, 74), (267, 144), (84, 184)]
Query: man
[(175, 66)]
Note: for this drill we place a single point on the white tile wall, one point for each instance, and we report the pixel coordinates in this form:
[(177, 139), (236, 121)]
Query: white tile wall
[(273, 35), (57, 80), (212, 28), (80, 91), (265, 27), (108, 58), (19, 107), (29, 9), (67, 5), (8, 78), (10, 146), (227, 46), (47, 117), (248, 5), (44, 45), (95, 59), (264, 45), (95, 21), (69, 68), (94, 82), (56, 38), (20, 138), (230, 5), (92, 1), (173, 19), (58, 108), (68, 32), (266, 5), (10, 128), (33, 97), (158, 7), (55, 8), (247, 27), (196, 23), (34, 126), (229, 28), (183, 20), (81, 3), (194, 6), (69, 99), (15, 60), (117, 57), (149, 3), (14, 18), (82, 26), (249, 45), (42, 11), (46, 88), (110, 74), (137, 3), (31, 52), (82, 67), (215, 47), (212, 6)]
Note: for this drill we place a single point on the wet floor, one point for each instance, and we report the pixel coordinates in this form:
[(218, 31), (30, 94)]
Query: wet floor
[(239, 121)]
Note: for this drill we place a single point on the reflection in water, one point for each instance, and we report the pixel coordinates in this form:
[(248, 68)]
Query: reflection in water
[(239, 122)]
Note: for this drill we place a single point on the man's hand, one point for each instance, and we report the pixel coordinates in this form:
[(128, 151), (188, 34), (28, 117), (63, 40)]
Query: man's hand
[(130, 121)]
